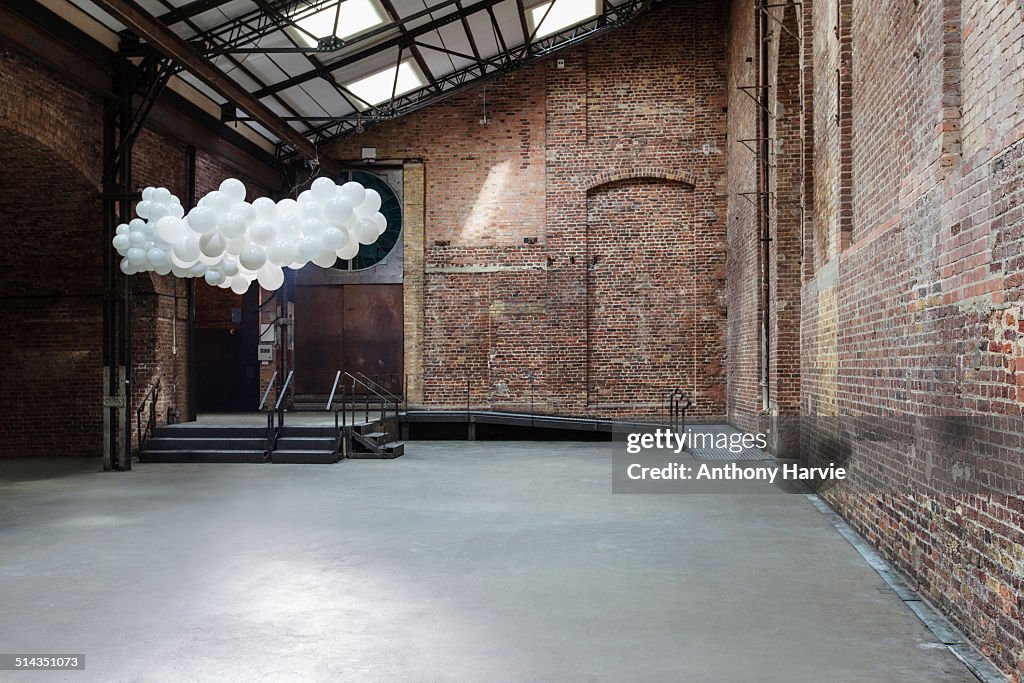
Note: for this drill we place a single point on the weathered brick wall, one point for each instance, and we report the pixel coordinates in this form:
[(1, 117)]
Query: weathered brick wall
[(913, 280), (604, 212), (50, 210)]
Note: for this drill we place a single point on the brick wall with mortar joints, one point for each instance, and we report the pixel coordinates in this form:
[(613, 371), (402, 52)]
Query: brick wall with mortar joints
[(553, 135)]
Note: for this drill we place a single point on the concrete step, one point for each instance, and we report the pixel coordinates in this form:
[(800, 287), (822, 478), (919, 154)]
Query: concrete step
[(182, 443), (308, 431), (195, 430), (390, 450), (199, 456), (303, 457), (302, 443)]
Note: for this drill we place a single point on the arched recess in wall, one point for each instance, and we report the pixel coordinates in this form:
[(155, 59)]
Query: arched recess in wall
[(52, 292), (649, 279)]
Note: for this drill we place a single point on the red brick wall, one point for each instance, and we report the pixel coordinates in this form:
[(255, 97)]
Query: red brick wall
[(914, 282), (51, 134), (498, 309)]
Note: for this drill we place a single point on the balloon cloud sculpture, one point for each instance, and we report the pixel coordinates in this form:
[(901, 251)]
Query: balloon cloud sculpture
[(230, 243)]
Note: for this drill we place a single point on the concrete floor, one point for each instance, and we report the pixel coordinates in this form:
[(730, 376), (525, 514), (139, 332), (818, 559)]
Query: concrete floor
[(467, 561)]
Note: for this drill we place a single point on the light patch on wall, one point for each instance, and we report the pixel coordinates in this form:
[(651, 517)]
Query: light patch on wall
[(488, 201)]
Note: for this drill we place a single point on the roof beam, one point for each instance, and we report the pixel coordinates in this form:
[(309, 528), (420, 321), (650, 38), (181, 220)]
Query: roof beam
[(189, 10), (168, 43), (392, 13)]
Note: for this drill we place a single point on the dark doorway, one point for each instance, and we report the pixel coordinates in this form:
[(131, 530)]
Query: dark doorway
[(353, 328), (227, 370)]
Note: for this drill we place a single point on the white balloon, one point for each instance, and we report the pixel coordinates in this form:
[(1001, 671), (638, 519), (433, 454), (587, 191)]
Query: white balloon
[(176, 210), (326, 259), (137, 238), (239, 285), (158, 210), (180, 263), (313, 227), (282, 252), (253, 257), (305, 197), (235, 246), (209, 260), (128, 268), (262, 232), (218, 201), (136, 225), (157, 257), (334, 238), (213, 277), (234, 189), (370, 205), (164, 269), (289, 227), (322, 189), (231, 225), (122, 243), (202, 219), (297, 264), (122, 229), (147, 194), (245, 210), (311, 210), (142, 209), (381, 221), (337, 210), (270, 277), (136, 256), (287, 207), (177, 270), (348, 251), (187, 248), (162, 195), (170, 229), (198, 269), (310, 247), (265, 208), (354, 192), (212, 245), (366, 231), (229, 265)]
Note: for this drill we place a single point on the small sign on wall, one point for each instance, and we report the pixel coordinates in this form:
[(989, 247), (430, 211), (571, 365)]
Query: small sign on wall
[(265, 353)]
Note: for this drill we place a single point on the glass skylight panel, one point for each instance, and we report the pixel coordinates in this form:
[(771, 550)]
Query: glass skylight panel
[(355, 17), (562, 15), (376, 88)]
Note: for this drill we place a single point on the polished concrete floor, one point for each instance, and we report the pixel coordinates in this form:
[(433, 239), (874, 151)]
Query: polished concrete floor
[(458, 562)]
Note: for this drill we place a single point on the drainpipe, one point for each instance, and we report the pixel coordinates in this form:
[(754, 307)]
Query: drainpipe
[(764, 196)]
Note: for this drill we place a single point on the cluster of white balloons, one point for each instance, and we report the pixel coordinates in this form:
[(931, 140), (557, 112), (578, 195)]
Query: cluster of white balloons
[(230, 242)]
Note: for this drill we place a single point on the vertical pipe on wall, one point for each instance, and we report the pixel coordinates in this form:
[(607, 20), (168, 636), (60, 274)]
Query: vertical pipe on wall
[(190, 294), (764, 194)]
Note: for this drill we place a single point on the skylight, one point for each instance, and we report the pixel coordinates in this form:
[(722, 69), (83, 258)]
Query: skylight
[(564, 14), (376, 88), (355, 16)]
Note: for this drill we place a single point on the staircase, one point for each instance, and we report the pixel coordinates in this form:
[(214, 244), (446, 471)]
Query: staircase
[(310, 445), (191, 442), (368, 441)]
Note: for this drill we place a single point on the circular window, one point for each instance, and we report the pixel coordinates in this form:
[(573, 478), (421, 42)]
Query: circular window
[(371, 254)]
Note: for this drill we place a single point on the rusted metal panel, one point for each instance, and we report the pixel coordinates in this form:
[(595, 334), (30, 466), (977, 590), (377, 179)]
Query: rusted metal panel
[(374, 343), (353, 328), (319, 337)]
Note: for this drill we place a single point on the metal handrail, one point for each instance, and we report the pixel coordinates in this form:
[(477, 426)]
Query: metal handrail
[(330, 399), (677, 410), (150, 397), (395, 398), (284, 390), (266, 394), (384, 401)]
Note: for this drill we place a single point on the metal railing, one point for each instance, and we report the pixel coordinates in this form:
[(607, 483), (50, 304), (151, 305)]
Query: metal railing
[(677, 410), (266, 394), (373, 399), (274, 426), (149, 400)]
